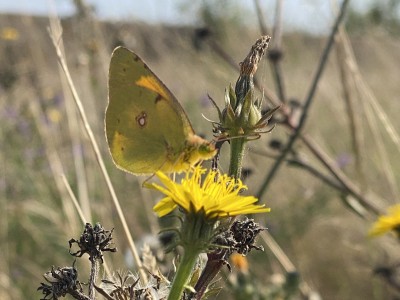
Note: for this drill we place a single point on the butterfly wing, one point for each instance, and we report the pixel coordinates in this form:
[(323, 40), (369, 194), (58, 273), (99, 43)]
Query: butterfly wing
[(146, 127)]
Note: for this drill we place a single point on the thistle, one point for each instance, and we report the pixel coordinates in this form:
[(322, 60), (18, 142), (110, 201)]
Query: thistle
[(241, 119)]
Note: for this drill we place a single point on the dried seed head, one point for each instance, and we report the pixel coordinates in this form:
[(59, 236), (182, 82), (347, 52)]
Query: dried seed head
[(93, 241)]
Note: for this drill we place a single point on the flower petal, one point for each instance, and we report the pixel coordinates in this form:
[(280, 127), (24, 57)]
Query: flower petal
[(164, 207), (217, 196)]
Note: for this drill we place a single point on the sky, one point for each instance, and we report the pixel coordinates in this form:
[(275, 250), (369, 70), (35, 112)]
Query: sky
[(315, 16)]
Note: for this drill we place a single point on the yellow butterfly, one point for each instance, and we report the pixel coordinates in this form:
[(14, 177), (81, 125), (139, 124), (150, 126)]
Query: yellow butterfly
[(147, 129)]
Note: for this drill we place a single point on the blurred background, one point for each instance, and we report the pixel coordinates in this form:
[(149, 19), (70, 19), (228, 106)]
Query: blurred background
[(339, 176)]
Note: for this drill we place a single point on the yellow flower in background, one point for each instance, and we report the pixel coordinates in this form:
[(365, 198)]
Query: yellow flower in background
[(387, 223), (216, 196), (54, 115), (9, 34)]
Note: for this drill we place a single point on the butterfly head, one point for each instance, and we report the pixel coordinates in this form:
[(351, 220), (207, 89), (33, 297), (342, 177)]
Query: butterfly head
[(201, 148)]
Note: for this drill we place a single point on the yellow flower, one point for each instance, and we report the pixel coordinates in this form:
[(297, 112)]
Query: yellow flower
[(9, 34), (217, 196), (387, 223)]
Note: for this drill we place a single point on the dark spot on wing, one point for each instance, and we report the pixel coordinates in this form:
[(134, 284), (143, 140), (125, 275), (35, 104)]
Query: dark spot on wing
[(122, 149), (158, 98), (118, 121), (135, 58), (124, 70)]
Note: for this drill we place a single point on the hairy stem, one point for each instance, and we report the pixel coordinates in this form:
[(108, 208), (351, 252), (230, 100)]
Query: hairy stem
[(182, 274), (237, 153), (94, 271)]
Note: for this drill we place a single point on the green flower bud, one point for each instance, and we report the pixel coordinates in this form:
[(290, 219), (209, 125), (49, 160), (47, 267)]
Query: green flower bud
[(241, 115)]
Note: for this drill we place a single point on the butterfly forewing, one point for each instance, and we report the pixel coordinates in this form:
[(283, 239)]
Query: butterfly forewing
[(146, 127)]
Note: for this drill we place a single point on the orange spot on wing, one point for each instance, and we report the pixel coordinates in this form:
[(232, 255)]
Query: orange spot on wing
[(150, 83)]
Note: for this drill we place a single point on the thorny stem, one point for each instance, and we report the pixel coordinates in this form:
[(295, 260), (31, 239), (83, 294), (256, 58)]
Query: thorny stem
[(307, 104)]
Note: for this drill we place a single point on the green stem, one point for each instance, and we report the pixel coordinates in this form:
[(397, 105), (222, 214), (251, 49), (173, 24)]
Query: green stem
[(183, 273), (237, 153)]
